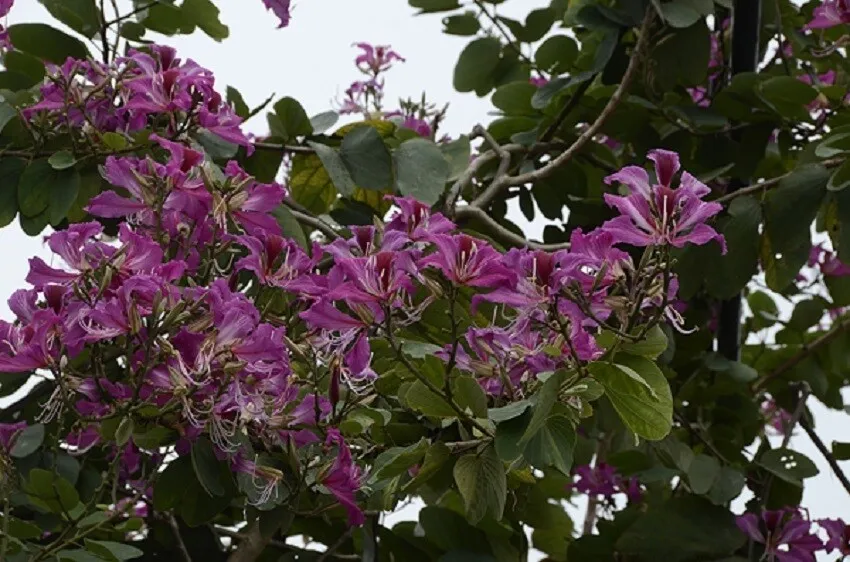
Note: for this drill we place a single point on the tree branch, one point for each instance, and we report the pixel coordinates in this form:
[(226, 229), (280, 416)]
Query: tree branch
[(830, 459), (772, 182), (304, 216), (252, 545), (806, 350), (180, 544), (294, 149), (501, 183)]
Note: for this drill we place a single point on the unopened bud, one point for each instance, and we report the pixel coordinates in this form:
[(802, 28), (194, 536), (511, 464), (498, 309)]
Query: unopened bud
[(174, 314)]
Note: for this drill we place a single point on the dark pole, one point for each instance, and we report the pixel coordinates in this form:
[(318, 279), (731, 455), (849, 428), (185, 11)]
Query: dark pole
[(746, 23)]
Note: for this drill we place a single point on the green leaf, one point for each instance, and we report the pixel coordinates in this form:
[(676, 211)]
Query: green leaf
[(537, 24), (464, 24), (116, 551), (552, 445), (475, 69), (367, 158), (840, 178), (508, 434), (310, 183), (421, 399), (78, 555), (7, 113), (841, 451), (833, 146), (702, 473), (557, 54), (791, 466), (289, 120), (646, 409), (321, 122), (480, 478), (207, 467), (549, 91), (515, 98), (683, 529), (727, 486), (435, 458), (237, 102), (653, 344), (787, 95), (681, 58), (469, 395), (397, 460), (290, 226), (124, 431), (789, 211), (51, 491), (728, 274), (512, 410), (41, 188), (46, 42), (421, 171), (171, 486), (22, 529), (114, 141), (419, 349), (27, 441), (546, 398), (204, 14), (685, 13), (457, 154), (334, 168), (432, 6), (11, 170), (80, 15)]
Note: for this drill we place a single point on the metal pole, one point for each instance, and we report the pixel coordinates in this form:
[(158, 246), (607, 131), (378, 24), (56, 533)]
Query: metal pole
[(746, 23)]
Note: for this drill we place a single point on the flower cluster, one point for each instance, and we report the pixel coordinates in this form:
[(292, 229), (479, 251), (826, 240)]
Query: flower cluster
[(366, 96), (603, 481), (829, 14), (151, 89), (201, 316), (787, 535)]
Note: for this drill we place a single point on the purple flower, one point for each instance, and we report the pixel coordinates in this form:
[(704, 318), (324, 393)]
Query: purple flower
[(281, 9), (343, 479), (5, 7), (280, 262), (375, 58), (838, 535), (8, 432), (417, 220), (467, 261), (828, 262), (603, 480), (657, 214), (786, 535), (829, 14)]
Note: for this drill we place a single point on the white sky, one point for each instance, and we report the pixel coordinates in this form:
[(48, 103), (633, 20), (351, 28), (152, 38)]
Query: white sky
[(312, 61)]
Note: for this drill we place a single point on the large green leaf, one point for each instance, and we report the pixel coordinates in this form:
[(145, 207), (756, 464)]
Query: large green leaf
[(367, 158), (791, 466), (727, 275), (289, 120), (552, 445), (115, 551), (46, 42), (476, 67), (27, 441), (10, 174), (204, 14), (481, 480), (681, 57), (80, 15), (42, 188), (334, 168), (683, 529), (645, 406), (207, 467), (421, 171)]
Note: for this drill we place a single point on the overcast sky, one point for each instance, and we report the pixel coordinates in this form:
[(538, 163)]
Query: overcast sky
[(312, 61)]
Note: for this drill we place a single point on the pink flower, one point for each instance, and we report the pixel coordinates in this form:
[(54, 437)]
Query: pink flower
[(343, 479), (603, 481), (830, 14), (376, 58), (786, 534), (281, 9), (657, 214), (467, 261), (838, 534)]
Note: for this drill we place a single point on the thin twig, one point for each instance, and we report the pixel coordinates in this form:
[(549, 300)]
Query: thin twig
[(252, 544), (180, 544), (772, 182), (806, 350), (294, 149), (830, 459), (336, 545), (499, 184), (505, 236), (304, 216), (571, 104)]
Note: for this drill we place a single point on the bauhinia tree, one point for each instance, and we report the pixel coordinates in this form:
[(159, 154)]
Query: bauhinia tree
[(244, 339)]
